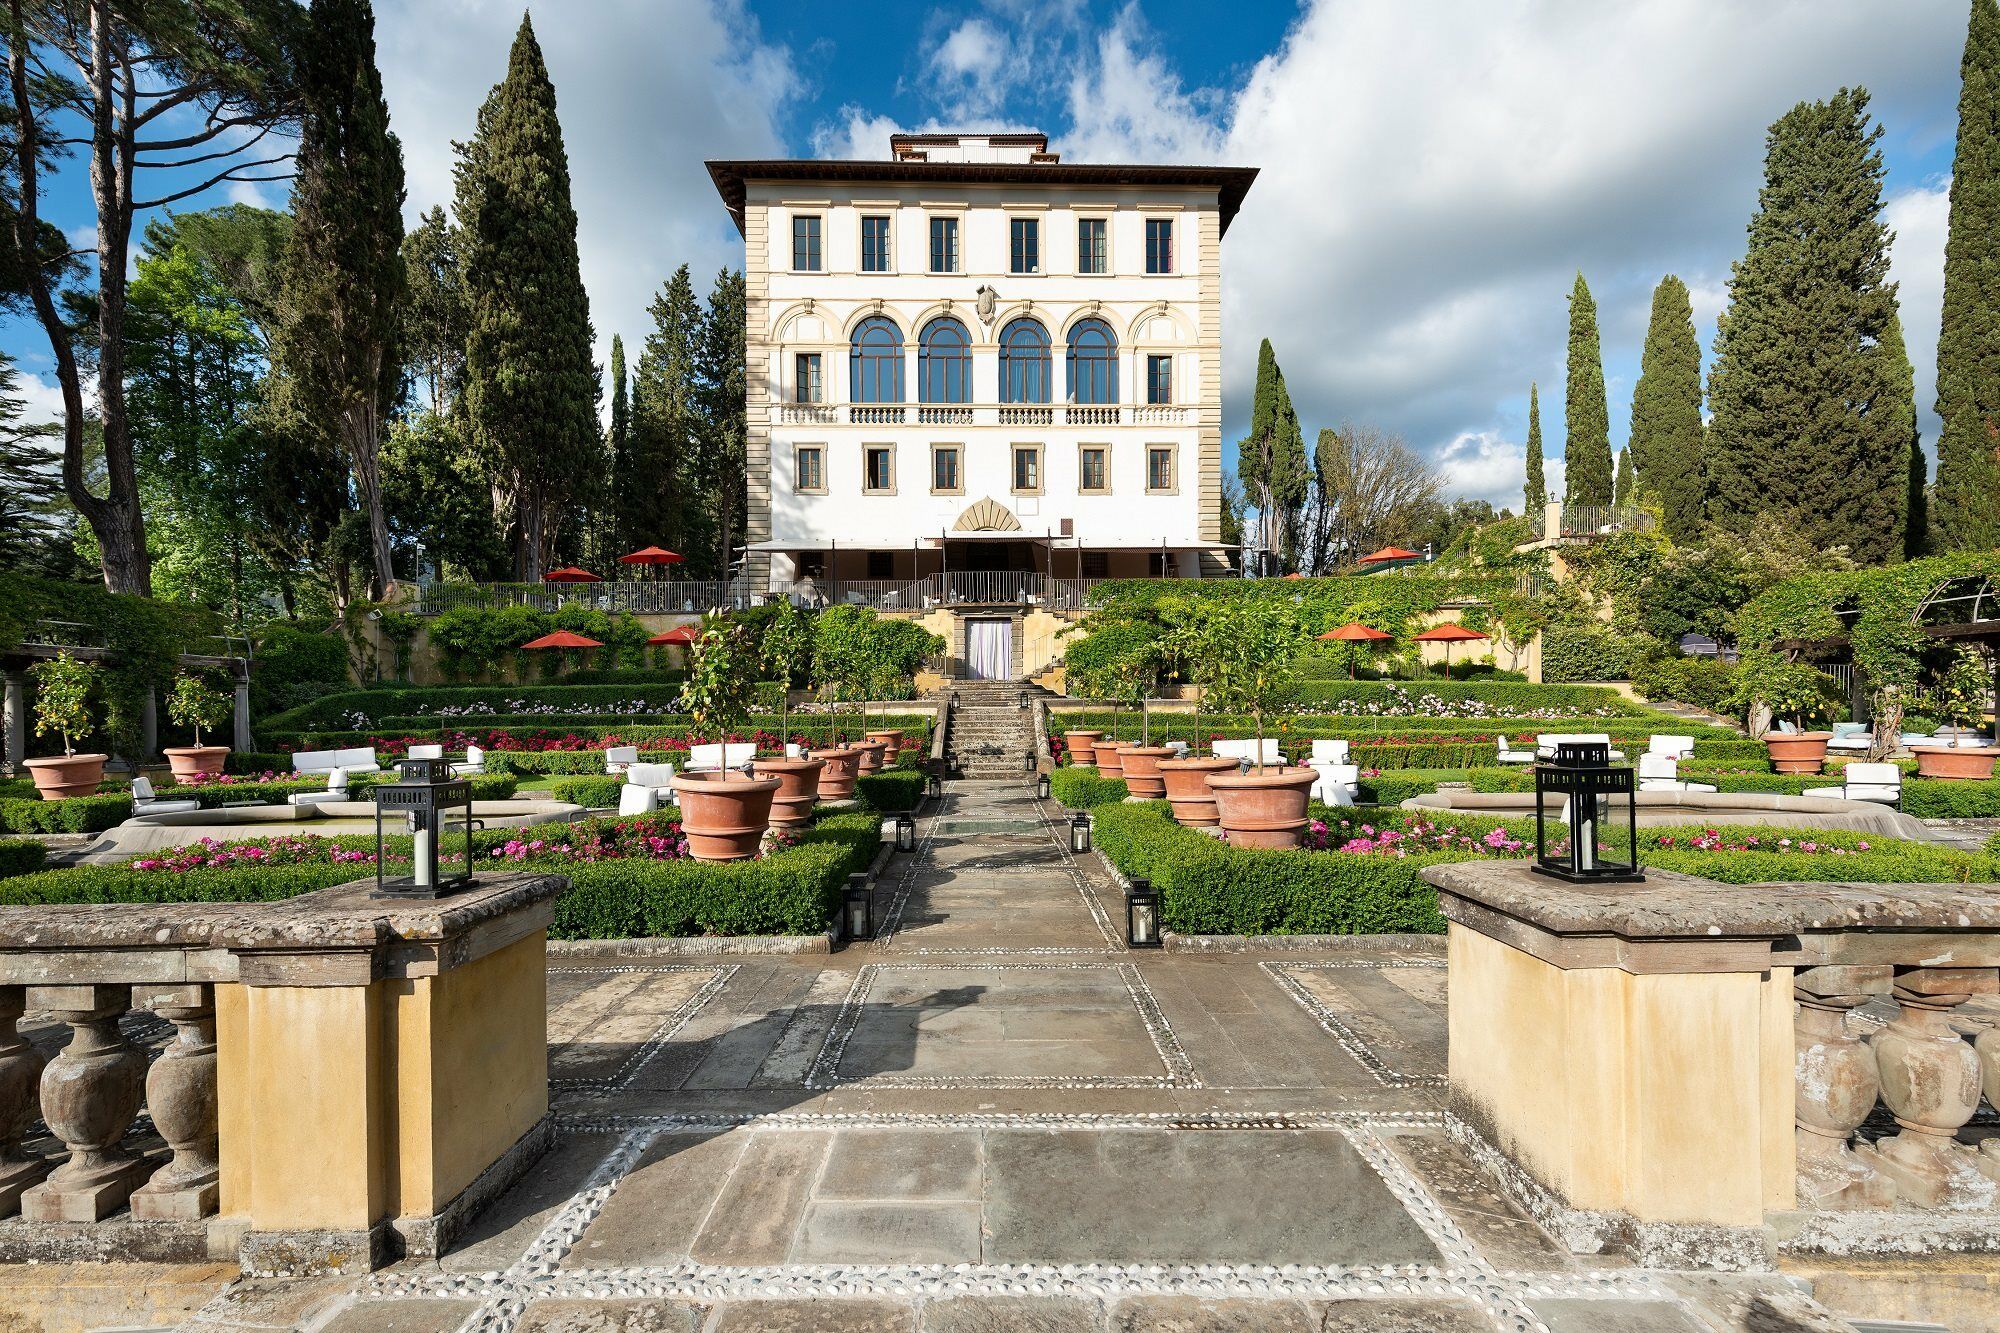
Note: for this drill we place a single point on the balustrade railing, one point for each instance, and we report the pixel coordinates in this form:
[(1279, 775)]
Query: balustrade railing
[(1603, 520), (984, 414), (966, 587), (641, 597), (1025, 416)]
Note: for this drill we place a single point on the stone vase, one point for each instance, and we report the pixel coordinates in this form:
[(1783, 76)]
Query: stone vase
[(1142, 770), (64, 775), (1186, 783), (798, 789), (195, 761), (1955, 761), (1797, 751), (724, 813), (1080, 746), (836, 777), (1266, 809)]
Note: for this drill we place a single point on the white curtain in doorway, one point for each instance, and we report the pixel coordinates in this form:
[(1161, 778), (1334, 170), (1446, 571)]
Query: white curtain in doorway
[(989, 649)]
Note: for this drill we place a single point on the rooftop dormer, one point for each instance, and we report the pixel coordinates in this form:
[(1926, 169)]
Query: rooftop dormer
[(1024, 148)]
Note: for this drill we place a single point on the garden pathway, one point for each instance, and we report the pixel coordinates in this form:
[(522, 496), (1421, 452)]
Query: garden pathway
[(994, 1117)]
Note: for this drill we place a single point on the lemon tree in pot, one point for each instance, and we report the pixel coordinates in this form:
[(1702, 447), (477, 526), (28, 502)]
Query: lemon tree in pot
[(1243, 653), (1963, 692), (62, 707), (723, 814), (196, 704), (1797, 693)]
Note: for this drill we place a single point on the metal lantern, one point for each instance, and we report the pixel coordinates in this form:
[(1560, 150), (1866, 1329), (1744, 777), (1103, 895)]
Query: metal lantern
[(1142, 915), (906, 833), (423, 799), (857, 908), (1582, 776), (1079, 832), (1021, 699), (1028, 762), (934, 780), (1042, 787)]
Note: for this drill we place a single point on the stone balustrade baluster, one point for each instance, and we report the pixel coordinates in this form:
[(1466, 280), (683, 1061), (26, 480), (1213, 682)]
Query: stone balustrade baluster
[(20, 1077), (1836, 1086), (1987, 1047), (90, 1093), (181, 1095), (1931, 1083)]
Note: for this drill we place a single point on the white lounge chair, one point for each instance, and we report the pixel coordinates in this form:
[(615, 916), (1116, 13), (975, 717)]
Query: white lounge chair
[(1335, 784), (1329, 752), (1245, 752), (647, 788), (710, 758), (1661, 772), (474, 765), (146, 801), (361, 759), (335, 790), (1546, 742), (1882, 783), (618, 758), (424, 752), (1509, 755), (1672, 747)]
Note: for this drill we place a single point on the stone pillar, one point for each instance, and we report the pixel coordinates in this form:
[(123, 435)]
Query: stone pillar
[(240, 741), (149, 732), (181, 1095), (14, 719), (1837, 1086), (90, 1093), (20, 1074), (1930, 1081), (1552, 520)]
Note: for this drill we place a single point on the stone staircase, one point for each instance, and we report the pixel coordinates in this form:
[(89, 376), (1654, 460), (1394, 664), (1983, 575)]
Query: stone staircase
[(990, 731)]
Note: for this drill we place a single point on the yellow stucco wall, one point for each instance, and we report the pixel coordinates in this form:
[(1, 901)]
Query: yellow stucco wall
[(1668, 1097)]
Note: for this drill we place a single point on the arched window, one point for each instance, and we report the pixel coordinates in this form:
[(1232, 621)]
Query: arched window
[(1093, 363), (944, 362), (875, 360), (1024, 362)]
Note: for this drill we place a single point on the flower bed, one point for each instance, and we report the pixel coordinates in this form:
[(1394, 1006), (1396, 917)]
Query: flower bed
[(335, 710), (508, 746), (1458, 700), (234, 790), (1385, 834)]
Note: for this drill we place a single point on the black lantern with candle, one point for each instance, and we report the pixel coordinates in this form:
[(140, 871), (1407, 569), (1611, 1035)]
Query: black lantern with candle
[(1583, 779), (423, 798)]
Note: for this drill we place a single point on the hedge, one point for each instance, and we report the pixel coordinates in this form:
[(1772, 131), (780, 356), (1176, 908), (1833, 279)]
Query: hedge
[(1496, 694), (1703, 682), (389, 701), (1585, 653), (72, 814), (214, 795), (814, 727), (1084, 789), (1926, 798), (20, 856), (597, 792), (890, 791), (1886, 860)]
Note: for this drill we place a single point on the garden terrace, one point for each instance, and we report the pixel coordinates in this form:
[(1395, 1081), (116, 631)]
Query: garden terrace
[(520, 746)]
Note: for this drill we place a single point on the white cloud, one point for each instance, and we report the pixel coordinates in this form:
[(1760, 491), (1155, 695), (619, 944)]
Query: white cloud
[(855, 135), (1918, 217), (41, 400), (1485, 465)]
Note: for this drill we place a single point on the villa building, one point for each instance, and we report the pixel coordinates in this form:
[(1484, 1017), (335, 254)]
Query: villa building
[(980, 377)]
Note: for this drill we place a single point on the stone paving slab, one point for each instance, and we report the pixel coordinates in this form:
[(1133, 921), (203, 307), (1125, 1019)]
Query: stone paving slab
[(613, 1317), (419, 1316)]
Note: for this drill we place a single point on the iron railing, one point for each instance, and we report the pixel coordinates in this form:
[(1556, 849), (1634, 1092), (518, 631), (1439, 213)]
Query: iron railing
[(645, 597), (955, 588), (1586, 521)]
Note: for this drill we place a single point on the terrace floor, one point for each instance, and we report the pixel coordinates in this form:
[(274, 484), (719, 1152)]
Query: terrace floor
[(995, 1118)]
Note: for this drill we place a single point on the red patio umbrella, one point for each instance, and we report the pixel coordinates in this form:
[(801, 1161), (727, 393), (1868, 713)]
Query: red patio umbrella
[(651, 555), (1387, 554), (1353, 632), (681, 634), (562, 638), (570, 574), (1448, 634)]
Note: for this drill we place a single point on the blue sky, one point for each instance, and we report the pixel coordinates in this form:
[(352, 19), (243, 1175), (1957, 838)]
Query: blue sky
[(1434, 173)]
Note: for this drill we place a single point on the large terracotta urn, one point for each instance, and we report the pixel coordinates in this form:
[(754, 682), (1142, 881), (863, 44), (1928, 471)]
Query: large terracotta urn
[(892, 742), (67, 775), (724, 813), (195, 761), (1142, 770), (1955, 761), (1110, 759), (1797, 751), (798, 788), (1186, 782), (836, 778), (1265, 809), (1081, 747), (871, 755)]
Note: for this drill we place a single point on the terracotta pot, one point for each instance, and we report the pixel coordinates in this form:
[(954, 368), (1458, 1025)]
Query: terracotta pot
[(798, 788), (1955, 761), (1265, 809), (1186, 782), (195, 761), (1797, 751), (1142, 770), (1110, 762), (871, 755), (724, 814), (893, 740), (836, 779), (67, 775), (1080, 746)]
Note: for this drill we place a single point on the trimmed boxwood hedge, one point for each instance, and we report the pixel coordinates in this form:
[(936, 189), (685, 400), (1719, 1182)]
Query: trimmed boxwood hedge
[(816, 728), (1501, 694), (19, 856), (72, 814), (1084, 789), (596, 792), (891, 791), (214, 795), (328, 710)]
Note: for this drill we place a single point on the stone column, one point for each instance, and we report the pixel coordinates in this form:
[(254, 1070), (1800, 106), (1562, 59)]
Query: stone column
[(180, 1093), (14, 719), (149, 732), (20, 1074), (1930, 1081), (240, 741), (90, 1093), (1988, 1050), (1836, 1087)]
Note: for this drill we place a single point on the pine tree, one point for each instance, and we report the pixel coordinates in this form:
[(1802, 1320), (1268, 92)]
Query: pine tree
[(1622, 496), (1968, 372), (343, 278), (434, 329), (1271, 461), (531, 387), (619, 438), (1808, 427), (36, 522), (1586, 418), (1914, 521), (1667, 430), (664, 477), (1535, 496)]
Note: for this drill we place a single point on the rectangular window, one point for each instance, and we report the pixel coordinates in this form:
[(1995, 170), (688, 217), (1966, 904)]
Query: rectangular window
[(809, 476), (1159, 245), (1092, 245), (1093, 475), (1159, 379), (805, 244), (874, 244), (807, 386), (944, 245), (944, 469), (878, 468), (1025, 245), (1027, 469), (1096, 565), (881, 564), (1159, 467)]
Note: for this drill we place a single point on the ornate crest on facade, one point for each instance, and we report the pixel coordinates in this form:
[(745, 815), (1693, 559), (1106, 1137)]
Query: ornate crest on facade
[(989, 301)]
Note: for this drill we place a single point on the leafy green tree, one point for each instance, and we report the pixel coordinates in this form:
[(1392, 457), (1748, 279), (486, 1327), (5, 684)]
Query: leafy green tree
[(1536, 494), (659, 497), (194, 702), (1271, 461), (434, 315), (531, 389), (721, 685), (1968, 372), (36, 522), (1586, 419), (63, 686), (1807, 423), (438, 493), (1667, 431), (1241, 652)]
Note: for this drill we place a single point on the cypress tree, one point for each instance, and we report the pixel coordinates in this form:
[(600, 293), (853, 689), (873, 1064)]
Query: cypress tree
[(343, 278), (1667, 431), (1621, 493), (1536, 494), (531, 388), (1807, 423), (1586, 417), (619, 438), (1968, 378), (724, 423), (1915, 518), (1271, 461)]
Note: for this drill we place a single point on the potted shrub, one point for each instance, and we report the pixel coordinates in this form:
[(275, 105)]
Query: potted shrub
[(62, 707), (1798, 693), (1244, 652), (723, 814), (1962, 694), (194, 703), (1081, 746), (787, 651)]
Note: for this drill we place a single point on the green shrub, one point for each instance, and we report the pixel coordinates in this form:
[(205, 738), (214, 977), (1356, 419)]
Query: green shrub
[(1496, 694), (598, 792), (1885, 860), (1704, 682), (214, 795), (1584, 653), (814, 729), (1084, 789), (293, 667), (890, 791), (72, 814), (425, 700), (238, 762), (1393, 788), (19, 856)]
